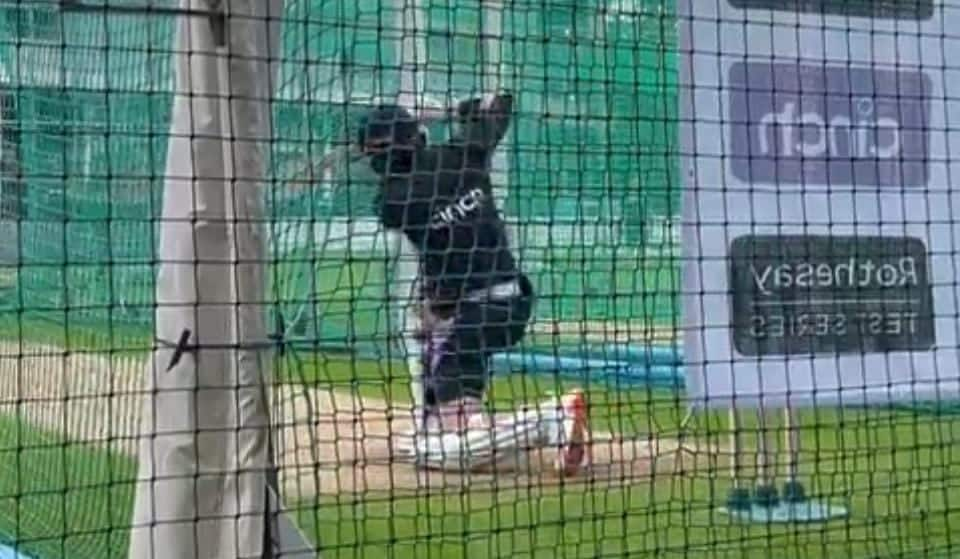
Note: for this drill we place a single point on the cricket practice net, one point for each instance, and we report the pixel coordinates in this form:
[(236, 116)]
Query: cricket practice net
[(616, 123), (103, 116)]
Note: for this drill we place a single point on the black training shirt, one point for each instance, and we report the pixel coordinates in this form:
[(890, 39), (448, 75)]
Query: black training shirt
[(441, 198)]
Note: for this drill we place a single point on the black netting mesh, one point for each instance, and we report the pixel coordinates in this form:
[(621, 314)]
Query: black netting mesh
[(809, 135)]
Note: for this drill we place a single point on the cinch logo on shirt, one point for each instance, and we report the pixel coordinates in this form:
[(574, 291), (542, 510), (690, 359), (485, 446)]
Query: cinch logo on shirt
[(455, 212)]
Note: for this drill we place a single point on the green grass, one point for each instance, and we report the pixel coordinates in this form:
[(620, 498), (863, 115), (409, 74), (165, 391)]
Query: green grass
[(898, 472), (61, 499), (341, 300)]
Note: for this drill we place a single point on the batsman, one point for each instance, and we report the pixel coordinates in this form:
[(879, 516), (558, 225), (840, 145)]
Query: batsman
[(473, 301)]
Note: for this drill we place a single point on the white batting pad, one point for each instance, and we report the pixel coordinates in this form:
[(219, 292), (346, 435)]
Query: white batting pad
[(490, 441)]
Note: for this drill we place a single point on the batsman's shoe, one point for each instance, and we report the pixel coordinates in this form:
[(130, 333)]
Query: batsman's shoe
[(573, 452)]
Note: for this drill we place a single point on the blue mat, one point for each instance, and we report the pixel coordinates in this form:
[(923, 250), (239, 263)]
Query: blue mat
[(805, 511), (7, 552), (624, 373)]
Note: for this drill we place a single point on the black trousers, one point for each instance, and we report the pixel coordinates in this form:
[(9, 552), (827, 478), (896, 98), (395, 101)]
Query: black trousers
[(457, 349)]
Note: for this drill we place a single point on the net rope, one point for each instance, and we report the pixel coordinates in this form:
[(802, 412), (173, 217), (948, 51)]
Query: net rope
[(589, 179)]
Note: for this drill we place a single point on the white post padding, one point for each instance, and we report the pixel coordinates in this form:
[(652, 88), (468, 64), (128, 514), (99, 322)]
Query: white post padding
[(405, 265), (492, 33), (202, 487)]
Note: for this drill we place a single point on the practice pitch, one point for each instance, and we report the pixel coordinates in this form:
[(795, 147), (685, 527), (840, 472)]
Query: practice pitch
[(328, 442), (342, 444)]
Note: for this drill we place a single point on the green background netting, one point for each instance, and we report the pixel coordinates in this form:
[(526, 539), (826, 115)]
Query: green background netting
[(590, 175)]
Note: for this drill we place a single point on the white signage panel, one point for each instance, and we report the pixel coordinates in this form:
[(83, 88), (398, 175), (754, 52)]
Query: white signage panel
[(821, 221)]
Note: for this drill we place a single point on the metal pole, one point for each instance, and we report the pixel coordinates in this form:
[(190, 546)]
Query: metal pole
[(793, 490), (735, 466), (764, 461), (765, 490), (738, 499), (792, 443)]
